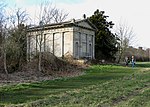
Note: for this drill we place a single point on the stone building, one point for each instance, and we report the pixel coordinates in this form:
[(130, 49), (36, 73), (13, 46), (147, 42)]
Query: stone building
[(75, 37)]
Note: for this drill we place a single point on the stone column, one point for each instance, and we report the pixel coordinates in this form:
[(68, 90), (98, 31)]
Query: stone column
[(86, 44), (80, 45), (93, 45), (53, 44), (62, 44), (28, 48)]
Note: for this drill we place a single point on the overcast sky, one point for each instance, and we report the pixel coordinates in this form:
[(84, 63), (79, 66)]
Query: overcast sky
[(134, 12)]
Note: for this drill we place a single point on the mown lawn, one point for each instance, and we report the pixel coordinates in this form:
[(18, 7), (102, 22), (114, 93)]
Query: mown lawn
[(100, 86)]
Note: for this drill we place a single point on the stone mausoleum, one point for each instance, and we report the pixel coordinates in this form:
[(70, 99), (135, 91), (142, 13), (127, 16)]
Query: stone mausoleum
[(74, 37)]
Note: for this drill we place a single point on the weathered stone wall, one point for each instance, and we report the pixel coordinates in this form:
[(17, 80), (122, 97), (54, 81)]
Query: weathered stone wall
[(52, 41), (83, 43), (77, 41)]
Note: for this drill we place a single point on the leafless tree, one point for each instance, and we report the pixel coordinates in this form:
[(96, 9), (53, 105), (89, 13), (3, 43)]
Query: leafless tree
[(126, 38), (48, 14), (59, 16), (4, 48), (18, 17), (17, 38), (3, 35)]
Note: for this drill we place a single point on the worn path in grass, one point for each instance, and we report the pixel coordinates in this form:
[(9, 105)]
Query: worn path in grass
[(100, 86)]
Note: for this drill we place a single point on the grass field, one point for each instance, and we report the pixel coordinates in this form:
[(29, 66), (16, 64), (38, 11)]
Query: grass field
[(100, 86)]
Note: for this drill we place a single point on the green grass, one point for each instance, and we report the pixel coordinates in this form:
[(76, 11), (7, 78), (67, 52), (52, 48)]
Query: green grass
[(100, 86)]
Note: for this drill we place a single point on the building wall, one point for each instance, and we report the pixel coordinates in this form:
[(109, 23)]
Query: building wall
[(76, 41), (68, 43), (84, 42), (52, 41)]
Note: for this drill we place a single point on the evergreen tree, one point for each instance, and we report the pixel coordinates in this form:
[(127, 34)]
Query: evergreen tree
[(105, 41)]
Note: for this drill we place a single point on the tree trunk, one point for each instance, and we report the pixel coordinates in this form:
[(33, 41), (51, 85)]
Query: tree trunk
[(39, 65), (119, 59), (5, 65), (120, 56), (4, 53), (40, 53)]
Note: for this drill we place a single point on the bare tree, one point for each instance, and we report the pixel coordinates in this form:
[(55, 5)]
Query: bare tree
[(59, 16), (48, 14), (17, 32), (4, 48), (2, 20), (126, 38), (3, 34), (18, 17)]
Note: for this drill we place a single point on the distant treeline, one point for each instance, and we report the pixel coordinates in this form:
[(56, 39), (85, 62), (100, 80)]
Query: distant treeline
[(139, 53)]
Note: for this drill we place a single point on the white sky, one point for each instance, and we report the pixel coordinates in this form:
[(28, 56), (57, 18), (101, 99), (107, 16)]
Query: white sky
[(134, 12)]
